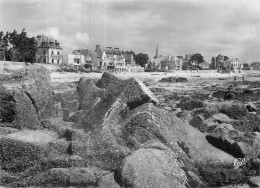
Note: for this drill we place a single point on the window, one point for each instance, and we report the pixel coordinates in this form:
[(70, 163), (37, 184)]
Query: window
[(52, 52), (52, 60), (58, 52), (44, 52)]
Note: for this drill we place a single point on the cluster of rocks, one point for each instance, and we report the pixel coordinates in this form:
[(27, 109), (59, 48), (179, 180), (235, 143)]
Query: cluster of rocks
[(173, 79), (113, 133)]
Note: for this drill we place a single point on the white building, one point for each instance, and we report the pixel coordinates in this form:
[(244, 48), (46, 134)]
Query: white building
[(111, 59), (48, 50), (73, 59)]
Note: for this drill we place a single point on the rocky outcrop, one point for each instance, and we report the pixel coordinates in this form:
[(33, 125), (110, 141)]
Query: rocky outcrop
[(26, 98), (153, 168), (173, 79), (190, 104), (68, 97), (23, 149), (120, 137), (88, 93), (115, 104), (238, 144), (234, 110)]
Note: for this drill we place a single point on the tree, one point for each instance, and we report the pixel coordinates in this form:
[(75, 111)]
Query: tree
[(246, 66), (213, 63), (18, 47), (186, 65), (196, 59), (226, 58), (141, 59)]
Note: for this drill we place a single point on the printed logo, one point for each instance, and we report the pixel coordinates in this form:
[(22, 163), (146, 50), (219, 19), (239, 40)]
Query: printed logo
[(239, 162)]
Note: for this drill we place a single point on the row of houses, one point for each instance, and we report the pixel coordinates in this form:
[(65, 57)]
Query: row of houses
[(112, 59), (222, 61), (101, 59), (172, 63), (165, 63)]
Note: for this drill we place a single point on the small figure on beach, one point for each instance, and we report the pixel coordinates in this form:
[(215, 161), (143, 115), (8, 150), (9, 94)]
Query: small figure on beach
[(235, 78)]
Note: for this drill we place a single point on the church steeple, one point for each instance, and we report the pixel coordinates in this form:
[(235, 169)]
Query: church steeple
[(156, 53)]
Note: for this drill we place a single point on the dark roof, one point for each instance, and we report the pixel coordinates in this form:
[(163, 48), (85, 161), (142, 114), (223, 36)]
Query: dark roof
[(111, 50), (94, 56)]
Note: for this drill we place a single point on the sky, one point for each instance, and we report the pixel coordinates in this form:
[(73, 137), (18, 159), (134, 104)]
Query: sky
[(179, 27)]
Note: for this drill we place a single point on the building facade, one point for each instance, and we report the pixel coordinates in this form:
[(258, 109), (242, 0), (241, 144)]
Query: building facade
[(48, 50), (110, 59), (233, 64), (165, 63), (204, 66), (73, 59)]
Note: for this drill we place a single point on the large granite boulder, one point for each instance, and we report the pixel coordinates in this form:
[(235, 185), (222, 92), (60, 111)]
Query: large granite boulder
[(172, 79), (238, 144), (65, 177), (88, 93), (68, 97), (190, 104), (100, 148), (148, 122), (153, 168), (24, 149), (120, 98), (26, 97), (112, 84), (234, 110)]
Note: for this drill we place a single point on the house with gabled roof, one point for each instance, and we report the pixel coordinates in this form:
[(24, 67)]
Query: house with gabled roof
[(111, 59), (48, 50)]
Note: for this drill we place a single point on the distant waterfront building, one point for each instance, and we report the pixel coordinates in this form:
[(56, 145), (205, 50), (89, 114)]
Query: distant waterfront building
[(129, 59), (188, 56), (48, 50), (234, 64), (255, 66), (111, 59), (165, 63), (204, 66), (74, 59)]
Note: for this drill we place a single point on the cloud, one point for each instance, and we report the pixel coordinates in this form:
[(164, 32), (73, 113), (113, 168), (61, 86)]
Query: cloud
[(67, 42), (82, 38), (210, 27), (50, 31)]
